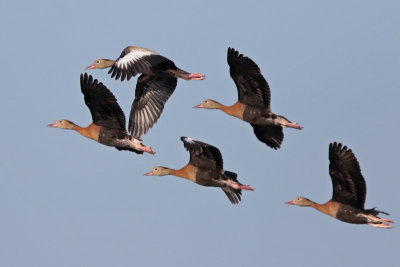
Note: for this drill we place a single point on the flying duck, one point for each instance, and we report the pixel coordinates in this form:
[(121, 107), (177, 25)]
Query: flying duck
[(205, 168), (154, 86), (253, 105), (108, 127), (349, 191)]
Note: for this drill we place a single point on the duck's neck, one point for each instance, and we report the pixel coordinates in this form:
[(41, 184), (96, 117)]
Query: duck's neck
[(329, 208), (92, 131), (236, 110), (108, 63), (188, 172)]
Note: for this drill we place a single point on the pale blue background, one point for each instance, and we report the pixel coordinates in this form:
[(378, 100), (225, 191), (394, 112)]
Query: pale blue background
[(67, 201)]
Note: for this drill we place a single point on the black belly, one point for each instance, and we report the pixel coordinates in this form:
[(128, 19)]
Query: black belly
[(350, 214), (111, 137), (208, 177), (258, 116)]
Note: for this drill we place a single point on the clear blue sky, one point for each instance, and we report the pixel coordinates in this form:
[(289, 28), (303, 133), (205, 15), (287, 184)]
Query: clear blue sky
[(68, 201)]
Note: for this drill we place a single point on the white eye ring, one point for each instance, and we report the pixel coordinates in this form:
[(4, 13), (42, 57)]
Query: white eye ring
[(98, 61)]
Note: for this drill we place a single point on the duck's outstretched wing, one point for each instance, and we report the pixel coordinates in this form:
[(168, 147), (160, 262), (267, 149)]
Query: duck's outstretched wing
[(348, 183), (271, 135), (203, 155), (252, 87), (134, 60), (152, 92), (102, 103)]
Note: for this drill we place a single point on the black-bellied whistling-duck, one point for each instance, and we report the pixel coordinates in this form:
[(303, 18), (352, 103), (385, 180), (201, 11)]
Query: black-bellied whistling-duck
[(134, 60), (205, 168), (253, 105), (156, 84), (349, 191), (108, 127)]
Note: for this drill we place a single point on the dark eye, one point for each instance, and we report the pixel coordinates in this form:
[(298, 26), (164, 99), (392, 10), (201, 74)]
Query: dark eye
[(98, 61), (60, 121), (155, 169), (205, 102)]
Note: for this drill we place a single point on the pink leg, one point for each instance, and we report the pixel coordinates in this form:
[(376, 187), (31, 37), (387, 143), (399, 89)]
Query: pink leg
[(246, 187), (384, 220), (381, 225), (238, 186), (141, 147), (196, 76), (375, 219), (292, 125), (146, 149)]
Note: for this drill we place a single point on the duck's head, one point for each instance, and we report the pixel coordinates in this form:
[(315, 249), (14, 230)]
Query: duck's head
[(62, 124), (101, 64), (300, 201), (208, 104), (158, 171)]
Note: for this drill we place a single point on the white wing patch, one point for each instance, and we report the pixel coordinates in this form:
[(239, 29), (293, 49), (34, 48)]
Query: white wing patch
[(189, 140), (133, 57)]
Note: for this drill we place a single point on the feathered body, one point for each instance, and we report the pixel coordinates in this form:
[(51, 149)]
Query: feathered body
[(205, 168), (349, 191), (157, 82), (254, 97), (109, 126)]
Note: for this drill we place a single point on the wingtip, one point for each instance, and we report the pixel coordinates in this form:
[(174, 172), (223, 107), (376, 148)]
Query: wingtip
[(187, 139), (231, 51), (337, 146)]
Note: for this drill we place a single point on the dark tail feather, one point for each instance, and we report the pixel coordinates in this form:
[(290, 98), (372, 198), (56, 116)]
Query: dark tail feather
[(234, 195), (129, 149), (231, 175), (375, 212)]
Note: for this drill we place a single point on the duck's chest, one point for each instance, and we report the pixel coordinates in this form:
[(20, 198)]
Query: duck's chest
[(188, 172), (91, 132), (236, 110)]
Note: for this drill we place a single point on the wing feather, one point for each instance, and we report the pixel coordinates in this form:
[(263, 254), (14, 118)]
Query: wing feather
[(348, 183), (152, 92), (271, 135), (102, 103), (203, 155), (134, 60), (252, 87)]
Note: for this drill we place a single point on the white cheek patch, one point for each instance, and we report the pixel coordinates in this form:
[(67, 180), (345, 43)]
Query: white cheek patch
[(132, 58)]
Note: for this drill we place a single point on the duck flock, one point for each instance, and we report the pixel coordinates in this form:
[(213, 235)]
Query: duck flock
[(157, 82)]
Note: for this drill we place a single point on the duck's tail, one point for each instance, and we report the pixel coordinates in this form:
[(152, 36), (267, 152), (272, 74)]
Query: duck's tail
[(233, 194), (375, 212)]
